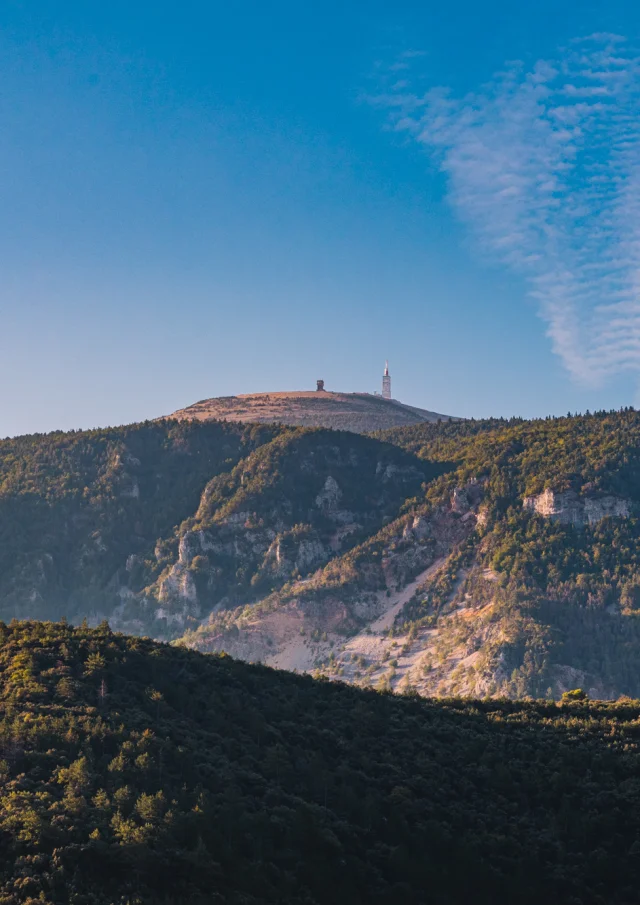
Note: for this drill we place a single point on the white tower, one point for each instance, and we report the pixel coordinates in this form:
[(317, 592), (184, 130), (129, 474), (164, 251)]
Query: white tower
[(386, 382)]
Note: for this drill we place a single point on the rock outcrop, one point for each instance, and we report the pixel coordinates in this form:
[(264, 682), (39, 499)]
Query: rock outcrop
[(282, 513), (359, 594), (568, 508)]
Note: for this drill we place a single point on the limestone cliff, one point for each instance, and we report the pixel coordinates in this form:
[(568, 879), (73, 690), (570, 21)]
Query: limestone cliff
[(569, 508), (358, 594), (290, 507)]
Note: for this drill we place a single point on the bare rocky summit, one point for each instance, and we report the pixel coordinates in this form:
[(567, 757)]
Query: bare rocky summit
[(356, 412)]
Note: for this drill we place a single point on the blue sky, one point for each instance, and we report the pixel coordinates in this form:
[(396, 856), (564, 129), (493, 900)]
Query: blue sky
[(205, 199)]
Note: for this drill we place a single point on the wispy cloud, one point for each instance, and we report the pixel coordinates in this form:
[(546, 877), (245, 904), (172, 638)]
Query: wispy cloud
[(543, 165)]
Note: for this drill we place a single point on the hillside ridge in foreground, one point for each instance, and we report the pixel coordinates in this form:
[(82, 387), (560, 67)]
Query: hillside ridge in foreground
[(358, 412), (135, 772)]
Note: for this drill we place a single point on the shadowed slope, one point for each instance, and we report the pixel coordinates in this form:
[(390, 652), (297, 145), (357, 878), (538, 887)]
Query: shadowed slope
[(139, 773)]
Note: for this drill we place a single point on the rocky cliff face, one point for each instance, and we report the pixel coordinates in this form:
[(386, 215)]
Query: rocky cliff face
[(274, 519), (417, 608), (571, 509), (358, 595)]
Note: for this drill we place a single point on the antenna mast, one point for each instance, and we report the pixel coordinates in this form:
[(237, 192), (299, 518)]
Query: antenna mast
[(386, 382)]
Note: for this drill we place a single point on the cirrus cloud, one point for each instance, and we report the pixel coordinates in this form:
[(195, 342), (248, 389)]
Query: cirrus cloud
[(543, 165)]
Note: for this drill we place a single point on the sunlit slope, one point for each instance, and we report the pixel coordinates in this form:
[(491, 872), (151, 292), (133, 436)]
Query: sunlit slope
[(358, 412), (516, 572)]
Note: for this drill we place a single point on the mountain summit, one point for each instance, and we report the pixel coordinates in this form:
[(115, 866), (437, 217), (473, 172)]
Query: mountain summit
[(356, 412)]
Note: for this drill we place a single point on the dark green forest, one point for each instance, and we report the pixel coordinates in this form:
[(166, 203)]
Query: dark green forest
[(134, 772), (594, 453), (76, 508)]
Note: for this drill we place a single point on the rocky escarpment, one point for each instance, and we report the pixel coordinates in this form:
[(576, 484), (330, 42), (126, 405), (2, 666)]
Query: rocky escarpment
[(358, 594), (418, 608), (289, 508), (568, 508), (208, 560)]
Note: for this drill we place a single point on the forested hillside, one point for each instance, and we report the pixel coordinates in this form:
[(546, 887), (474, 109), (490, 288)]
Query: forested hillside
[(520, 564), (79, 511), (592, 453), (291, 505), (133, 772), (154, 525), (555, 561), (482, 558)]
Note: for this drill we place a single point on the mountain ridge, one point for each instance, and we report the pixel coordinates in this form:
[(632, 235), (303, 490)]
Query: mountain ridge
[(317, 549), (529, 598)]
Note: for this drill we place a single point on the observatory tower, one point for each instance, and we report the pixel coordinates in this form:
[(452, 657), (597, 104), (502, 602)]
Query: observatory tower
[(386, 382)]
